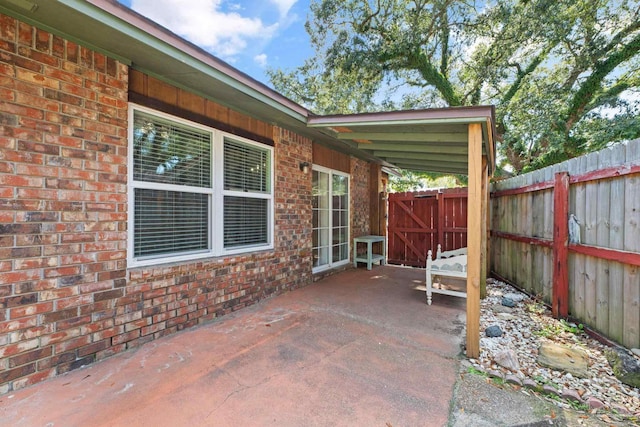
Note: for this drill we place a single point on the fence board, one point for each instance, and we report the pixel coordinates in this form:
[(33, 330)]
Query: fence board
[(590, 238), (602, 240), (576, 261), (537, 230), (526, 218), (459, 221), (513, 246), (496, 252), (548, 234), (616, 241), (631, 309), (504, 244)]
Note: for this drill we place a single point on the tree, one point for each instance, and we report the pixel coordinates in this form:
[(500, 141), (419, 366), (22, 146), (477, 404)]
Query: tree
[(564, 74), (419, 181)]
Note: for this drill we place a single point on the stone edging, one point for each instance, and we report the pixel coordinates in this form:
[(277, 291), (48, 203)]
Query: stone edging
[(569, 395)]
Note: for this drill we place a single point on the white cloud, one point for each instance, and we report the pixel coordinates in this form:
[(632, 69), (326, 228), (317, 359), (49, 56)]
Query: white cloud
[(284, 6), (261, 60), (225, 34)]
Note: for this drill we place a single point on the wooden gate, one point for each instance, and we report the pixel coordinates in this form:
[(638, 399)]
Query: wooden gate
[(421, 220)]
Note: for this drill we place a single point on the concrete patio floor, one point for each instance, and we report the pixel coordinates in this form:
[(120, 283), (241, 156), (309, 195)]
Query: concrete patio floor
[(360, 348)]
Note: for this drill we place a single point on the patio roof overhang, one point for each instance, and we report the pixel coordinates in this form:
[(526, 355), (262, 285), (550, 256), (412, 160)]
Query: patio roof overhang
[(434, 140)]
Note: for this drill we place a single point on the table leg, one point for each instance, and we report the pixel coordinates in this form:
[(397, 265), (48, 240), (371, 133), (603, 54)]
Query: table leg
[(384, 252), (355, 254)]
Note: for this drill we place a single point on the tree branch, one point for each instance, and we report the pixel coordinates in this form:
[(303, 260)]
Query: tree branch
[(618, 37), (522, 74), (444, 34), (420, 62), (592, 84), (605, 96)]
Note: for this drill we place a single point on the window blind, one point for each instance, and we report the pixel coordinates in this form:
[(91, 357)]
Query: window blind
[(246, 221), (169, 222), (246, 167), (171, 153)]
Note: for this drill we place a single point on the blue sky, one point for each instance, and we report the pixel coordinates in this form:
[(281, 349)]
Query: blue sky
[(251, 35)]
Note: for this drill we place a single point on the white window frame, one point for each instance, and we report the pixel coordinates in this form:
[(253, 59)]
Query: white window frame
[(216, 196), (219, 185), (346, 261)]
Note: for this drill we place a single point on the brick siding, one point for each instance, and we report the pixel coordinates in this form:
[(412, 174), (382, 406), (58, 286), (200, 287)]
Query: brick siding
[(63, 137), (359, 197)]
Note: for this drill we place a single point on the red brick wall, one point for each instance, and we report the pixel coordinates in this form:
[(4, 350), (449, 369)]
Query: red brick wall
[(63, 113), (66, 296), (359, 197)]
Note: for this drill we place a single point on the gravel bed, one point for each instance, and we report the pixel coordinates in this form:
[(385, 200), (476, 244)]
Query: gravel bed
[(525, 327)]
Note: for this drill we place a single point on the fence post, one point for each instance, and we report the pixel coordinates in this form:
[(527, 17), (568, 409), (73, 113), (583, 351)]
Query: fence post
[(486, 252), (560, 299), (474, 239), (440, 225)]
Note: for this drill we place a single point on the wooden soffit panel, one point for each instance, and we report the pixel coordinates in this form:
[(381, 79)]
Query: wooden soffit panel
[(434, 140)]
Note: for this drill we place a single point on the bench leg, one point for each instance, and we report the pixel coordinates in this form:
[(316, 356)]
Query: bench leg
[(429, 284)]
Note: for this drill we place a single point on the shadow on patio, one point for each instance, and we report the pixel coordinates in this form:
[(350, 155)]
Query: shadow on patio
[(357, 348)]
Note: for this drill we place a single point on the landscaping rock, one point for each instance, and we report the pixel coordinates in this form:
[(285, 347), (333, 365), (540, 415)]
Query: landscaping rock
[(495, 374), (512, 379), (594, 403), (506, 316), (501, 309), (620, 409), (508, 302), (493, 331), (530, 384), (625, 367), (507, 359), (563, 358), (570, 394), (636, 351), (515, 297), (549, 389)]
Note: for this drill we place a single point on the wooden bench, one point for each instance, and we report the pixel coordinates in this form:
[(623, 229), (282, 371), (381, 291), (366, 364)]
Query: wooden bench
[(451, 264)]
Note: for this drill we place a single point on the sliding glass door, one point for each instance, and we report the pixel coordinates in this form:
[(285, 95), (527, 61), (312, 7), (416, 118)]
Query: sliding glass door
[(330, 218)]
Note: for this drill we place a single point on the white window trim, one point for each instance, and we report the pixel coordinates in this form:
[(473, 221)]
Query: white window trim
[(330, 265), (218, 183), (216, 196)]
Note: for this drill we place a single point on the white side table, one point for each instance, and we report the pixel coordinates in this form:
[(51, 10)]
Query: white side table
[(370, 257)]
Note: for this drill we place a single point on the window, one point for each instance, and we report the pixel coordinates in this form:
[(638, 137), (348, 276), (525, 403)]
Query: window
[(181, 171), (246, 194), (330, 218)]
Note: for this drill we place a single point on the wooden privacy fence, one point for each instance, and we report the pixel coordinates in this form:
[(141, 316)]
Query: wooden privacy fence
[(419, 221), (595, 279)]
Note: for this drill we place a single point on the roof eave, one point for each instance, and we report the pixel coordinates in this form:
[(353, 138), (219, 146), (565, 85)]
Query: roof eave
[(155, 36)]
